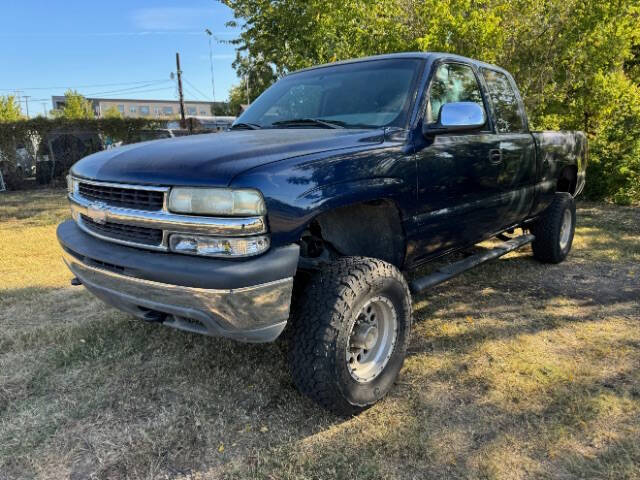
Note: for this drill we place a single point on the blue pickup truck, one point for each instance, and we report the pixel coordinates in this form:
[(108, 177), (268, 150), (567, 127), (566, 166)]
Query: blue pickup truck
[(310, 212)]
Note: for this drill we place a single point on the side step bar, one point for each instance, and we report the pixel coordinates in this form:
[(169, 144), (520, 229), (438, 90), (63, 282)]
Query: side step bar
[(449, 271)]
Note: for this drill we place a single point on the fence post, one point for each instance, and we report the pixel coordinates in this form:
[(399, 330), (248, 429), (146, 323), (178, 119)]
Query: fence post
[(53, 161)]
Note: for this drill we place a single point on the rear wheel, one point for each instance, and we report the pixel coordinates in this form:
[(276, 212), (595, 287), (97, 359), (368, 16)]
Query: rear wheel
[(350, 333), (554, 230)]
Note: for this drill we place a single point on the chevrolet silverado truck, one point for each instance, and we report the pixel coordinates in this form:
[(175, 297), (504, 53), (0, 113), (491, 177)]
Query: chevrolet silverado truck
[(314, 209)]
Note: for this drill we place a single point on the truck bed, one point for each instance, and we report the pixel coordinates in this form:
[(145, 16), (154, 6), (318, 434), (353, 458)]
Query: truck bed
[(557, 151)]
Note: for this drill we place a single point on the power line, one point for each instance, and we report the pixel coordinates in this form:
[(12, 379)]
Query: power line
[(114, 92), (190, 92), (140, 91), (126, 90), (195, 88), (86, 86)]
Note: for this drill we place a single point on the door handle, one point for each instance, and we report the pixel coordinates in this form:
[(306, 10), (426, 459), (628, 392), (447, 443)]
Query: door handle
[(495, 156)]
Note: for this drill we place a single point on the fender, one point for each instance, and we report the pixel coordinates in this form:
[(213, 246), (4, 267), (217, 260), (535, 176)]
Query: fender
[(300, 189)]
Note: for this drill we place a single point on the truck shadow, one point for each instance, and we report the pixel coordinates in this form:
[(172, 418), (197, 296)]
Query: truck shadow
[(83, 381), (516, 295)]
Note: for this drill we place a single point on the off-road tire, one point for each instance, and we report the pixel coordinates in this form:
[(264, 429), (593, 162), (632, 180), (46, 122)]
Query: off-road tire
[(548, 246), (320, 331)]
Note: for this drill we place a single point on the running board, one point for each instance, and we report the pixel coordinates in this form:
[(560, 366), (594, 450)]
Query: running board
[(449, 271)]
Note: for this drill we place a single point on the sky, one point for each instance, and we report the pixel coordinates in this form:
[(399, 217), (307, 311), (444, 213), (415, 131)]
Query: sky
[(114, 49)]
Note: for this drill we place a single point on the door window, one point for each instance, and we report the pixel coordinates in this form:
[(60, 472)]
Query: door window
[(504, 100), (452, 82)]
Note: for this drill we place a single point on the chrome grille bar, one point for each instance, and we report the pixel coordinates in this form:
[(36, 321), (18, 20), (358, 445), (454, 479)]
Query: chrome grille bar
[(97, 213)]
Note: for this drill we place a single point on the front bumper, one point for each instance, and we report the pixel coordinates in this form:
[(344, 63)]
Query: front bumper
[(247, 300)]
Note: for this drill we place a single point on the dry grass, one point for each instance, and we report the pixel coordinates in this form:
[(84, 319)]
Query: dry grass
[(516, 370)]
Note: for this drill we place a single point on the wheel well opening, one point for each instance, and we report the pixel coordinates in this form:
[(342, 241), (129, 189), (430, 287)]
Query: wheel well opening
[(369, 229), (568, 179)]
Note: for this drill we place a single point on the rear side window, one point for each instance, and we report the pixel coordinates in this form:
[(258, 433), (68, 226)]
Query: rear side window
[(504, 101), (452, 82)]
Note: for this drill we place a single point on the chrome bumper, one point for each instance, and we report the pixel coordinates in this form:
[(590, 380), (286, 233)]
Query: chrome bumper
[(252, 314)]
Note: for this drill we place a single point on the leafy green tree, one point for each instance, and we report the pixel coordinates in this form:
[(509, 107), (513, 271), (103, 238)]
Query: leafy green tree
[(632, 65), (112, 112), (237, 98), (220, 109), (576, 61), (75, 107), (614, 169), (259, 74), (10, 110)]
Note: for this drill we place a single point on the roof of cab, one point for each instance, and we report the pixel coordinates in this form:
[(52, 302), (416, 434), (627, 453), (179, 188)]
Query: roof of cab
[(422, 55)]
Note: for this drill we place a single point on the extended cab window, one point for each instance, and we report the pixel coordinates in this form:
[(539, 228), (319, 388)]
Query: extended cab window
[(505, 102), (452, 82)]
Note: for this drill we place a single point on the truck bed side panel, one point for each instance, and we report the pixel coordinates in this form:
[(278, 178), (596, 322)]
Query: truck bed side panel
[(556, 151)]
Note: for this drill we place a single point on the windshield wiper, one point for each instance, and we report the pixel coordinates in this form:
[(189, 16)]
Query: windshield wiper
[(245, 126), (309, 121)]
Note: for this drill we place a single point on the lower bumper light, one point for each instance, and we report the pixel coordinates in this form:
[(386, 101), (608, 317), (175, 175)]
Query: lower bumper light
[(217, 246)]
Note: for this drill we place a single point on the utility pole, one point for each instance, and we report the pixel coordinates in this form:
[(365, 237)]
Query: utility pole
[(44, 109), (247, 82), (183, 122), (19, 97), (26, 103), (213, 85), (247, 77)]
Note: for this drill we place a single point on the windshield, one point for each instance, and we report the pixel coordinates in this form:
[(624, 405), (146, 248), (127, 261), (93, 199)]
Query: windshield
[(368, 94)]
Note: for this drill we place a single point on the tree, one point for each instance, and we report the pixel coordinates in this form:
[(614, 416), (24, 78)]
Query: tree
[(112, 112), (237, 98), (259, 75), (10, 110), (75, 107), (568, 56)]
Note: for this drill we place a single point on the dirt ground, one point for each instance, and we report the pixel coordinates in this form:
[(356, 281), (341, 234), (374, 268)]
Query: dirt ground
[(516, 370)]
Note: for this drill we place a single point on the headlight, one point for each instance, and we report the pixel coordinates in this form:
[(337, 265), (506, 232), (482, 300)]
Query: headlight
[(216, 201), (217, 246), (72, 184)]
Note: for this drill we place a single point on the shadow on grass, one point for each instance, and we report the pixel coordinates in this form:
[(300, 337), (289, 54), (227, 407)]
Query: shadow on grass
[(138, 393), (525, 297), (573, 435), (117, 397)]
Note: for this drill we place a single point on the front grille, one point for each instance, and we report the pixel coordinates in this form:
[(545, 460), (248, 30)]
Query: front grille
[(122, 196), (127, 233)]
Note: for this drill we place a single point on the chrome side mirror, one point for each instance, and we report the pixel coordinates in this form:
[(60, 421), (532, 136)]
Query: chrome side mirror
[(458, 116), (462, 115)]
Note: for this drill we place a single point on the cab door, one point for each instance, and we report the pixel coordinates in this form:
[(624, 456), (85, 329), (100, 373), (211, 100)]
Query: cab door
[(517, 175), (457, 172)]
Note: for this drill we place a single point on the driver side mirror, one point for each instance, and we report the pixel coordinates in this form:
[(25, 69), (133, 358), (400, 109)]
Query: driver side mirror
[(457, 117)]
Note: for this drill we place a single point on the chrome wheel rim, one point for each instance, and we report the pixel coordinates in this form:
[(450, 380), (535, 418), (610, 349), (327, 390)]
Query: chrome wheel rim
[(372, 339), (565, 229)]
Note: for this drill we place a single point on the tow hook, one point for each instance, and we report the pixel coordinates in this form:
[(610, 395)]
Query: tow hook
[(75, 281)]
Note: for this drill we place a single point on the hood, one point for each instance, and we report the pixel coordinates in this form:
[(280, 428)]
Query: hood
[(213, 159)]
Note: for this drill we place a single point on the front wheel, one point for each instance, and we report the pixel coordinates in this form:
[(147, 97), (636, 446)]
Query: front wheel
[(350, 334), (554, 230)]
